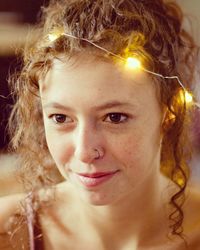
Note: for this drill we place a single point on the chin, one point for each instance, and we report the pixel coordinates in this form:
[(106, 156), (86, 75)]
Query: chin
[(96, 199)]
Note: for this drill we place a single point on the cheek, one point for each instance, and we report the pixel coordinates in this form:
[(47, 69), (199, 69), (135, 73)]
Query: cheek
[(138, 154), (128, 150), (59, 147)]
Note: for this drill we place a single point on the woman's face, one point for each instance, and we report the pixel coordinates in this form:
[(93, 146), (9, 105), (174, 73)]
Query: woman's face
[(97, 106)]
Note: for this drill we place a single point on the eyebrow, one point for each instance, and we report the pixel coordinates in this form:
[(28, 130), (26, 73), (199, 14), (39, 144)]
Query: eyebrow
[(56, 105), (113, 104), (107, 105)]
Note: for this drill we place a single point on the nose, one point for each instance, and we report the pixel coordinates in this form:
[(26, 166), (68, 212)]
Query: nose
[(88, 144)]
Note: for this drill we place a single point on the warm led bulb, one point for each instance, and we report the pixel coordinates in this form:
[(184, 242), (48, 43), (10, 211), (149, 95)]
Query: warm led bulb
[(188, 97), (55, 34), (180, 182), (133, 63), (53, 37)]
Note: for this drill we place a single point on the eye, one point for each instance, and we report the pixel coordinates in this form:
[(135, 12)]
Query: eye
[(60, 118), (116, 117)]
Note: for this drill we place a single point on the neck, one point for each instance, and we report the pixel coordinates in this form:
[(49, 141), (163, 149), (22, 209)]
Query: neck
[(144, 207)]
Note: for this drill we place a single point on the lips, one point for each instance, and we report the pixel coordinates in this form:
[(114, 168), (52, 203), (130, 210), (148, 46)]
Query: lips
[(98, 174), (95, 179)]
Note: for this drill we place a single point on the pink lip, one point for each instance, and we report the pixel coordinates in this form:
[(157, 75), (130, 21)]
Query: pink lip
[(94, 179)]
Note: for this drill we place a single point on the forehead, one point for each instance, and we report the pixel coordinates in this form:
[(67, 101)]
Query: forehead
[(95, 81), (92, 66)]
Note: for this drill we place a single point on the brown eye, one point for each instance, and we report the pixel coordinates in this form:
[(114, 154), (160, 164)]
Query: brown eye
[(59, 118), (116, 118)]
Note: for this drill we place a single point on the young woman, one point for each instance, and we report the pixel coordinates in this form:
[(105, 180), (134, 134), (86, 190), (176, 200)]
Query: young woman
[(116, 134)]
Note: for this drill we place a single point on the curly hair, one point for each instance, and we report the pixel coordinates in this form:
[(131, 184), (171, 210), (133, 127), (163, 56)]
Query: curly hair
[(150, 29)]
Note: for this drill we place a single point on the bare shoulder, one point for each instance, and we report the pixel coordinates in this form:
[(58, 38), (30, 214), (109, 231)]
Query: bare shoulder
[(9, 205), (10, 209)]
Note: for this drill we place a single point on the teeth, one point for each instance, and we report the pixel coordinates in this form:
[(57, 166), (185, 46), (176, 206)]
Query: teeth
[(88, 180)]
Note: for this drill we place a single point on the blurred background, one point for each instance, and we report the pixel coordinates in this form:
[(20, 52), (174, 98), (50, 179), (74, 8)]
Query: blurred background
[(17, 19)]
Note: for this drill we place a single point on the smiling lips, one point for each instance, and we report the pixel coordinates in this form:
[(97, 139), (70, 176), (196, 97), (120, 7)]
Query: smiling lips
[(92, 180)]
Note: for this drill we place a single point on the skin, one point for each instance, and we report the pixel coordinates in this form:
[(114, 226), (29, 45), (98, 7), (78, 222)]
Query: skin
[(77, 105), (78, 98)]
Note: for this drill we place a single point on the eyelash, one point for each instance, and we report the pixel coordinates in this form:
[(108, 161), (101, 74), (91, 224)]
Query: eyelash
[(109, 115), (54, 116), (119, 116)]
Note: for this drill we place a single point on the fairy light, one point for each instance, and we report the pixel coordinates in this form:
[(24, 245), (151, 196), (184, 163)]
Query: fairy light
[(53, 37), (188, 97), (133, 63), (180, 182), (55, 34), (130, 62)]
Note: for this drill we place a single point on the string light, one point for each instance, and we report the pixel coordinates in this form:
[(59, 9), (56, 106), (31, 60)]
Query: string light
[(188, 97), (180, 182), (133, 63), (55, 34), (130, 62), (8, 96), (52, 37)]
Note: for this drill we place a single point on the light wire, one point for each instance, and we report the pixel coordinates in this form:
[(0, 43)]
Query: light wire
[(122, 58)]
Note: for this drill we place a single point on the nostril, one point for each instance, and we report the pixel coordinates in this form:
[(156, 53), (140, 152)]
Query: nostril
[(86, 155)]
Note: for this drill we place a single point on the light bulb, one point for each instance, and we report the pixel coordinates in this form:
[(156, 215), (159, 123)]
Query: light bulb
[(188, 97), (133, 63), (185, 96), (52, 37), (55, 34)]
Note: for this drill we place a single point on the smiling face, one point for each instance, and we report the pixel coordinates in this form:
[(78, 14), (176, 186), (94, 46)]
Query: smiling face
[(91, 106)]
